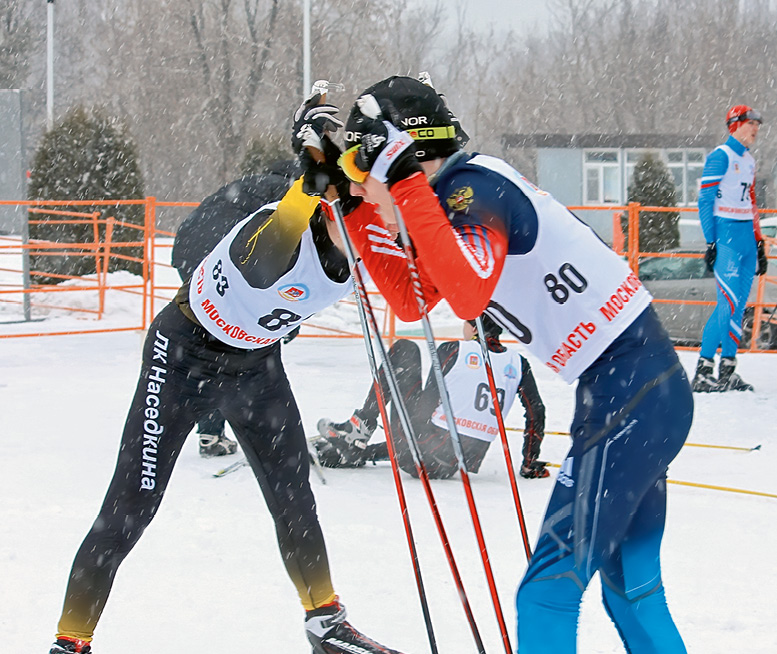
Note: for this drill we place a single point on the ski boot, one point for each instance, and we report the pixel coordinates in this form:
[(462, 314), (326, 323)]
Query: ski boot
[(211, 445), (70, 646), (330, 633), (535, 470), (704, 380), (728, 380), (343, 444)]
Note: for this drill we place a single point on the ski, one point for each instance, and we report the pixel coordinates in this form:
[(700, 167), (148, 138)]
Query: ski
[(317, 467), (231, 468), (244, 462)]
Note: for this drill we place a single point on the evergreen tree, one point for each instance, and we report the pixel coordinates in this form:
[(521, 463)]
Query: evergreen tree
[(86, 157), (653, 186), (262, 151)]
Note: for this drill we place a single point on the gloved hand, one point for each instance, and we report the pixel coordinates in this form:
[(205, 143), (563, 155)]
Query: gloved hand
[(320, 169), (386, 153), (710, 255), (311, 139), (312, 121), (290, 336), (763, 262)]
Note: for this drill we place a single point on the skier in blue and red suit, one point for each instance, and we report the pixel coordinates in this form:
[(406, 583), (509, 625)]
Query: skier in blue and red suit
[(485, 238), (735, 247)]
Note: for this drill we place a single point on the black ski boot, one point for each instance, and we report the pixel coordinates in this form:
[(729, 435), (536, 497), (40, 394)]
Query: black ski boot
[(534, 470), (70, 646), (216, 445), (704, 380), (728, 380), (330, 633), (343, 444)]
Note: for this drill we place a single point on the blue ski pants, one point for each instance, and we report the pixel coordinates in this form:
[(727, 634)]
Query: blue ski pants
[(734, 272), (607, 510)]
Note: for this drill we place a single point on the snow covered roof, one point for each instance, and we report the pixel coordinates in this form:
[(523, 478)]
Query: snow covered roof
[(610, 141)]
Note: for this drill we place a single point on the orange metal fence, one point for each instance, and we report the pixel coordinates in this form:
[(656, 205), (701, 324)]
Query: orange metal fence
[(762, 311), (26, 308)]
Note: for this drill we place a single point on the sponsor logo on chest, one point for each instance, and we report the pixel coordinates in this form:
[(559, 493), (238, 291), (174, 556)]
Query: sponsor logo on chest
[(294, 292)]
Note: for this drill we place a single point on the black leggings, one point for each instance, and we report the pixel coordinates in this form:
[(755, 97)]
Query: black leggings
[(434, 444), (185, 374)]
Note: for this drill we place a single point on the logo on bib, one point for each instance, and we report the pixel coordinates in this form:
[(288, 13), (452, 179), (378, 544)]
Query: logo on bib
[(294, 292), (511, 372), (473, 361)]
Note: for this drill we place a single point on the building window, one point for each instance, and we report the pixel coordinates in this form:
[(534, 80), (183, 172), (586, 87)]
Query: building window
[(685, 167), (607, 174), (601, 177)]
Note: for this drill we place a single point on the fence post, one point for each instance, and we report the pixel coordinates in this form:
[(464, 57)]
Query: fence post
[(392, 318), (102, 279), (633, 244), (758, 311), (149, 291), (96, 236), (26, 267), (617, 233)]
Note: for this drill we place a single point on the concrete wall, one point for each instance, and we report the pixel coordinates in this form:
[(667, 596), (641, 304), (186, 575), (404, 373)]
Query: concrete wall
[(11, 161), (560, 173)]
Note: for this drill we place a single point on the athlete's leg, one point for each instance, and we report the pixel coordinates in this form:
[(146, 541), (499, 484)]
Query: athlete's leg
[(161, 416), (734, 271), (632, 416), (712, 335), (266, 422), (632, 590), (405, 358), (737, 272), (211, 423)]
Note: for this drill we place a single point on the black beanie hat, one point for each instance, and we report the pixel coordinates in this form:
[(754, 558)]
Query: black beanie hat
[(491, 329), (416, 108)]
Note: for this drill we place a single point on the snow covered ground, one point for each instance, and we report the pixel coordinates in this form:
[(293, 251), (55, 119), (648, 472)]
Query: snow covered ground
[(207, 575)]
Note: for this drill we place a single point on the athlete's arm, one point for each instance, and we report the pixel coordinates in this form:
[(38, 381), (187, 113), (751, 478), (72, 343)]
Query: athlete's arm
[(265, 246), (459, 256), (756, 216), (386, 263), (462, 253), (714, 168)]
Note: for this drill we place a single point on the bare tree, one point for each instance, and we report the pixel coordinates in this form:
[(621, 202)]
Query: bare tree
[(197, 81), (18, 32), (232, 42)]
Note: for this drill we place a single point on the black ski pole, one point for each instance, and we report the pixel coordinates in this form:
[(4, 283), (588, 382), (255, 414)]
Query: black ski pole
[(503, 436), (415, 279), (365, 313)]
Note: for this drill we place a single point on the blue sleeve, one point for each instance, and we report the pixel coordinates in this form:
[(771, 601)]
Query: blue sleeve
[(715, 167), (477, 196)]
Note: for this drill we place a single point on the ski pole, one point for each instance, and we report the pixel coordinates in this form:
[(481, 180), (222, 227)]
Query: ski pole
[(362, 303), (503, 436), (317, 467), (415, 280)]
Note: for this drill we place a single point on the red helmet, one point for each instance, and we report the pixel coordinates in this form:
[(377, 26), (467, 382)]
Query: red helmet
[(739, 114)]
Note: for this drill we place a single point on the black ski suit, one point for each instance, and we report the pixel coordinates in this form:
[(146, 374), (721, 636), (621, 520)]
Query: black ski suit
[(187, 372)]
